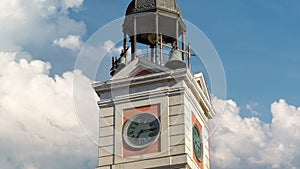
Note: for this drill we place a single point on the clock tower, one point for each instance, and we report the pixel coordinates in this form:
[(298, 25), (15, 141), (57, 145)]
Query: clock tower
[(154, 111)]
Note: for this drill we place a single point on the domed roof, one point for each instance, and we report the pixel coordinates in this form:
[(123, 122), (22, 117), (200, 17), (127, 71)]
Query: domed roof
[(138, 6)]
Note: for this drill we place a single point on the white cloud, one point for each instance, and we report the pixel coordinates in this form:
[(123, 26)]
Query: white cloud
[(39, 128), (250, 143), (72, 3), (71, 42), (36, 23), (110, 47)]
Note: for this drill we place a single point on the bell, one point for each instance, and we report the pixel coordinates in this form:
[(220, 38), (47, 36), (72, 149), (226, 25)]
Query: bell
[(175, 60), (152, 38)]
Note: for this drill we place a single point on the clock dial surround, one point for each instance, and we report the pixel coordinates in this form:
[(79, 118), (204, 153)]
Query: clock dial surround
[(141, 131), (197, 143)]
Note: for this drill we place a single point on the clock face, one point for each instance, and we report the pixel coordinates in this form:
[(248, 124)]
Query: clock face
[(141, 131), (197, 143)]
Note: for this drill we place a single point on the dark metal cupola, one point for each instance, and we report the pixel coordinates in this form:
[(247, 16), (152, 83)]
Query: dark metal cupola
[(147, 17), (147, 20), (156, 24)]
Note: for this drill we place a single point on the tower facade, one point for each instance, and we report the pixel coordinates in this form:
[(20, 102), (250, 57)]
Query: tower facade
[(154, 113)]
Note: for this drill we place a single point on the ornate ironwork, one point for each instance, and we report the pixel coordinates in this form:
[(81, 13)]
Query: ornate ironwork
[(137, 6)]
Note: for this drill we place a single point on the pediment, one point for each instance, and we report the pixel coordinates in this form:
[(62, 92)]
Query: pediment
[(199, 77), (139, 67)]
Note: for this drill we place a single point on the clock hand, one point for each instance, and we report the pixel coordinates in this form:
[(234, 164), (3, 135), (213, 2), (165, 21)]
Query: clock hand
[(141, 131), (151, 129), (145, 130)]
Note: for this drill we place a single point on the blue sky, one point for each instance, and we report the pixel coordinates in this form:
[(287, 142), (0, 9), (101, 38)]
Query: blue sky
[(258, 42)]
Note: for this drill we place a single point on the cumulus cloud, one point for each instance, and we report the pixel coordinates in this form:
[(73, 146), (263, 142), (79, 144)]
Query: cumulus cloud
[(250, 143), (39, 127), (36, 23), (71, 42)]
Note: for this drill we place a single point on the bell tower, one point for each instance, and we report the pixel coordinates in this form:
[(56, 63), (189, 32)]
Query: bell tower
[(154, 111)]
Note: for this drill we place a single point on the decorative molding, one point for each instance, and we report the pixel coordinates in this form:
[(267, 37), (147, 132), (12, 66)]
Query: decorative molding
[(140, 96)]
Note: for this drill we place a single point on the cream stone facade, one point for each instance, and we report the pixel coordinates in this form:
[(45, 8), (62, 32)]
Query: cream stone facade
[(179, 94), (177, 102)]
